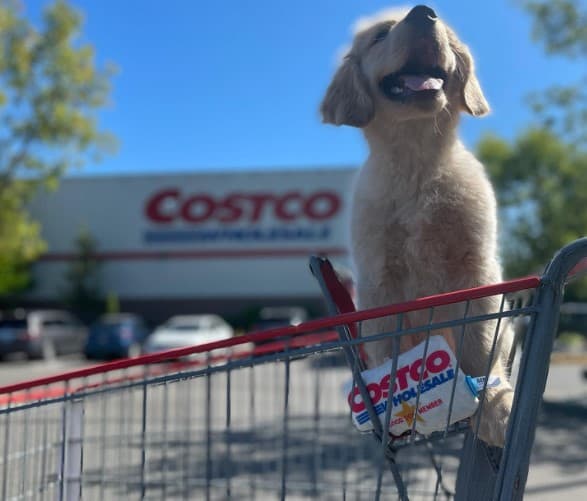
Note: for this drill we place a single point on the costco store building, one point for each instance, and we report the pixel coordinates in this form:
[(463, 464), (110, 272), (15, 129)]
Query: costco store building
[(227, 242)]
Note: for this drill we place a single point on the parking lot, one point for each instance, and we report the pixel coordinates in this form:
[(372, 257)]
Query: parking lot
[(177, 433), (183, 438), (17, 368)]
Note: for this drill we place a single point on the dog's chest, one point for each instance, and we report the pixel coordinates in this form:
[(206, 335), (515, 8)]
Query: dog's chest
[(407, 228), (401, 207)]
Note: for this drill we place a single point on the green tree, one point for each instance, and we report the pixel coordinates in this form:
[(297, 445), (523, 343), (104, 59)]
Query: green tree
[(542, 190), (540, 176), (50, 92), (20, 244), (560, 26), (112, 303), (83, 293)]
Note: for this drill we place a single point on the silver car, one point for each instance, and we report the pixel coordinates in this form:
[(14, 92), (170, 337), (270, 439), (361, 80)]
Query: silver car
[(188, 330), (41, 333)]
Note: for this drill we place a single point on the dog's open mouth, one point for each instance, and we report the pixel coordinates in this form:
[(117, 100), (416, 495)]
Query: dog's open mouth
[(413, 81)]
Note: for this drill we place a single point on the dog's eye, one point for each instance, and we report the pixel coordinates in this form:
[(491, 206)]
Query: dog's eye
[(382, 32)]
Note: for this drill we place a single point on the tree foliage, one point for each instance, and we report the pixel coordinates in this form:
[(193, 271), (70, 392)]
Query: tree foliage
[(20, 243), (542, 191), (50, 92), (560, 26), (540, 177), (83, 293)]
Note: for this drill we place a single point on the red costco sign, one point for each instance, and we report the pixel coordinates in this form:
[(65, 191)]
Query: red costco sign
[(172, 205)]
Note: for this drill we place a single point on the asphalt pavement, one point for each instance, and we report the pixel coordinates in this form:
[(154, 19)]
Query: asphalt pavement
[(559, 459)]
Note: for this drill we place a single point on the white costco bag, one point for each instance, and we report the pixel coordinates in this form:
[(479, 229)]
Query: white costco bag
[(435, 391)]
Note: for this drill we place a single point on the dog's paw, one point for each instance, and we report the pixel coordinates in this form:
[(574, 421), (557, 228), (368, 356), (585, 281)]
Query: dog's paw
[(493, 422)]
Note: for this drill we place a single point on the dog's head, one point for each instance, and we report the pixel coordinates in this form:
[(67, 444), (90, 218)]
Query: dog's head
[(403, 67)]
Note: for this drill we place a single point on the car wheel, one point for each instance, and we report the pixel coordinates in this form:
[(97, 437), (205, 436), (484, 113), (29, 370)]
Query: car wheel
[(133, 351)]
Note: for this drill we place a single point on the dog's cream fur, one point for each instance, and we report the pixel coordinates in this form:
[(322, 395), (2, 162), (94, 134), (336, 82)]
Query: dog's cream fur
[(424, 212)]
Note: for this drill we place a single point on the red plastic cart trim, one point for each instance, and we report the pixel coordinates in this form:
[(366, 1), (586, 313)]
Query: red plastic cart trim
[(580, 267), (31, 395), (305, 328)]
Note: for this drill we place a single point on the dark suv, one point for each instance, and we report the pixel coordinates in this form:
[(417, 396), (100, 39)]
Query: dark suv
[(272, 317)]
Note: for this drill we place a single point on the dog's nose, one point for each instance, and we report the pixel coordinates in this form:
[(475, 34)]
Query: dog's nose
[(421, 15)]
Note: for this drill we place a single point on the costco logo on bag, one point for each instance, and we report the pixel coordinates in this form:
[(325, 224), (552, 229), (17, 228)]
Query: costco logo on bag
[(177, 215), (423, 382), (407, 380)]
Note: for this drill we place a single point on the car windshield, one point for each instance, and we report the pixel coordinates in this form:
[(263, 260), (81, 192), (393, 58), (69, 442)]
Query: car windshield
[(280, 320), (184, 327)]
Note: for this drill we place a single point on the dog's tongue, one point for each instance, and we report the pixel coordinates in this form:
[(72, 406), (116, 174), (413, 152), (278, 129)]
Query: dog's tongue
[(422, 82)]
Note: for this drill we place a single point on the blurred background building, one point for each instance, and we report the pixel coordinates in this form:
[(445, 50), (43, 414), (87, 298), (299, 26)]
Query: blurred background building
[(227, 243)]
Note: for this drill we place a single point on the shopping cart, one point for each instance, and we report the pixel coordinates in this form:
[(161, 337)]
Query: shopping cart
[(235, 419)]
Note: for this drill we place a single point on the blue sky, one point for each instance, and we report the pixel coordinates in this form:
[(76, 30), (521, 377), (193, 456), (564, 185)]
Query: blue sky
[(233, 84)]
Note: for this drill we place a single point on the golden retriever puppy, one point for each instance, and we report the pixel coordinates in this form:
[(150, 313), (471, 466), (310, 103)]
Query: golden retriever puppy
[(424, 212)]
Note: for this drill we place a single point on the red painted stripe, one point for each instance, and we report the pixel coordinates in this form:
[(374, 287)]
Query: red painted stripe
[(140, 255), (305, 328), (32, 396)]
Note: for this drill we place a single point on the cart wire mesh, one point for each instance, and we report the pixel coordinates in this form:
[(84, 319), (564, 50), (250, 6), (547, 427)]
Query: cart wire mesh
[(264, 416)]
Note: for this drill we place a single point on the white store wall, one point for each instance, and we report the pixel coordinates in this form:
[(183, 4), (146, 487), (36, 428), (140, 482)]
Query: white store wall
[(204, 235)]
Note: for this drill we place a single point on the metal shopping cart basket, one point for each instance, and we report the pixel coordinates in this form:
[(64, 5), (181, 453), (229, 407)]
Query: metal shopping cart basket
[(263, 416)]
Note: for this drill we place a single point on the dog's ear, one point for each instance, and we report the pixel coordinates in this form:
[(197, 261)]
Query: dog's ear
[(472, 99), (347, 100)]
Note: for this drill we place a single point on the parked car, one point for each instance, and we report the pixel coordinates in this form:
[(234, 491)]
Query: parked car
[(279, 316), (188, 330), (272, 317), (41, 333), (116, 335)]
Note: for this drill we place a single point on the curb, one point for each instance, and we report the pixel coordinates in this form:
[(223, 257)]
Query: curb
[(569, 358)]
